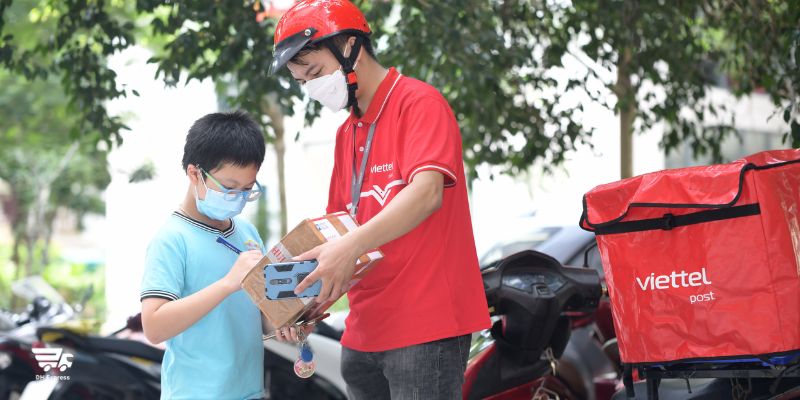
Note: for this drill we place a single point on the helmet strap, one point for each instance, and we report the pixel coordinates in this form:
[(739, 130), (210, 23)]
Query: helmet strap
[(347, 66)]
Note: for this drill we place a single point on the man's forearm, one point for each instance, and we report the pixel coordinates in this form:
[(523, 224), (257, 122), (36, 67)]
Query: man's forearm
[(405, 212), (174, 317)]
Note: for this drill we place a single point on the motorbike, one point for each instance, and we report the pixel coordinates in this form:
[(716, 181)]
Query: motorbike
[(101, 367), (47, 352), (18, 364), (124, 366), (529, 294)]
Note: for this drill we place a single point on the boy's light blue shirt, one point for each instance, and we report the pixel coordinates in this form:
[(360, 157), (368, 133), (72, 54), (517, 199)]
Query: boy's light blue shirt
[(221, 356)]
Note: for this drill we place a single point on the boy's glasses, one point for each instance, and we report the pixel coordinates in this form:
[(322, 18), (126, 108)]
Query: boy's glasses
[(233, 194)]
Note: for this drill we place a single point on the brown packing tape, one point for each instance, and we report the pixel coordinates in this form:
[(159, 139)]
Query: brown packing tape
[(303, 238), (362, 268), (337, 223), (342, 229)]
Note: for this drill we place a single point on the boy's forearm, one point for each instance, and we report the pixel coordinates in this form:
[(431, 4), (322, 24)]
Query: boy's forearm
[(174, 317)]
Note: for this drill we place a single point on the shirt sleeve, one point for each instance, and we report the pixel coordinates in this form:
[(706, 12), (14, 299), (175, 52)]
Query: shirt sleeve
[(164, 269), (431, 140), (334, 194)]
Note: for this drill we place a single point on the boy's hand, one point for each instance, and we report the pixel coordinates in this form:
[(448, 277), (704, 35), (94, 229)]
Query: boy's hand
[(337, 261), (290, 334), (246, 261)]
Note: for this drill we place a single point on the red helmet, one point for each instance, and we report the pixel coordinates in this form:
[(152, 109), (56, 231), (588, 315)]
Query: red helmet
[(311, 21)]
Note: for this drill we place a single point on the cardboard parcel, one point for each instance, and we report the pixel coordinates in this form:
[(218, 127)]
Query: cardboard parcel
[(309, 234)]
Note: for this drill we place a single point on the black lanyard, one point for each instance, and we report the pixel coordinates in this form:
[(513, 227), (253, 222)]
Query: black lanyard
[(357, 182)]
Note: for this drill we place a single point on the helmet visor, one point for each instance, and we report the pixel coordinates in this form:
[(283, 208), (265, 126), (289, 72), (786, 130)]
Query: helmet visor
[(287, 48)]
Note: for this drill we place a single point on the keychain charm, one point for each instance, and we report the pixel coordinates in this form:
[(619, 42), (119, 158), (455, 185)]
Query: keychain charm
[(304, 367)]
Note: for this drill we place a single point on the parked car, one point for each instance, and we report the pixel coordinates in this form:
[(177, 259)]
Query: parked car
[(566, 243)]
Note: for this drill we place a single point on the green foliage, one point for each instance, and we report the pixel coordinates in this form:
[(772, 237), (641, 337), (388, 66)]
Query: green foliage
[(71, 280), (43, 165), (762, 52), (79, 283), (502, 65), (6, 277), (35, 139), (70, 41), (499, 63), (224, 43), (488, 58), (340, 305), (144, 172)]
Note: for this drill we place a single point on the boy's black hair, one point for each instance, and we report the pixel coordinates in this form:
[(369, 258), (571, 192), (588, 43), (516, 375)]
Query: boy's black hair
[(220, 138), (340, 41)]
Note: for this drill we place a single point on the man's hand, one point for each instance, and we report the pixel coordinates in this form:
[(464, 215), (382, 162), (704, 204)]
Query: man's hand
[(337, 261), (246, 261)]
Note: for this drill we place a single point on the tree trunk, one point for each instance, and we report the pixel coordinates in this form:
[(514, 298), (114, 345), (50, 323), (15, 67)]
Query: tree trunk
[(15, 256), (280, 152), (38, 222), (44, 259), (262, 218), (626, 98), (29, 248), (273, 110)]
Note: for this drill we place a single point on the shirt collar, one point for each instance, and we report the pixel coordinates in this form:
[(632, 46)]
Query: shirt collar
[(379, 99), (208, 228)]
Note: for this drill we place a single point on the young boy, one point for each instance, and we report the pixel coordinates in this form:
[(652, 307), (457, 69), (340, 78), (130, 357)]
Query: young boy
[(191, 295)]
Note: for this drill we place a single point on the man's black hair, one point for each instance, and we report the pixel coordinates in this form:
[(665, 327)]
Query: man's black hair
[(340, 41), (224, 138)]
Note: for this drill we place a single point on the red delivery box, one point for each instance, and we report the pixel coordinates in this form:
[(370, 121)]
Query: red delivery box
[(703, 262)]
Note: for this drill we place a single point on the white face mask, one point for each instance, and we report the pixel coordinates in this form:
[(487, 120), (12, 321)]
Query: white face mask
[(330, 90)]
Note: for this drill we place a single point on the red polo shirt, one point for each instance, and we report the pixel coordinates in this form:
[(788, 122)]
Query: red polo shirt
[(428, 286)]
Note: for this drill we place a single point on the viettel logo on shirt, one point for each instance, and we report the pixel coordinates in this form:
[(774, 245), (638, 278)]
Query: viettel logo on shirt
[(379, 168), (380, 193)]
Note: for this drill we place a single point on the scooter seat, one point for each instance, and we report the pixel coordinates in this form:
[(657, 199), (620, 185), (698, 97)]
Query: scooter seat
[(102, 344), (126, 347)]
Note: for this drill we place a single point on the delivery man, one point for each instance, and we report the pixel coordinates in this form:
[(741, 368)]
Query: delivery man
[(398, 170)]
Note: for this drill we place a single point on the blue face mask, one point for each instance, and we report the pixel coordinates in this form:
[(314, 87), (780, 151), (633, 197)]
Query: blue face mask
[(216, 206)]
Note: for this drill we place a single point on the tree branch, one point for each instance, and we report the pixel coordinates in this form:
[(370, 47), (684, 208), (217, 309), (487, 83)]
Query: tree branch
[(591, 69)]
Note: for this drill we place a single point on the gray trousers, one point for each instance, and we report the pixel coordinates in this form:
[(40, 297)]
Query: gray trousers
[(433, 370)]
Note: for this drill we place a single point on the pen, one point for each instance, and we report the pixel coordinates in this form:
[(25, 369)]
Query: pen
[(228, 245)]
